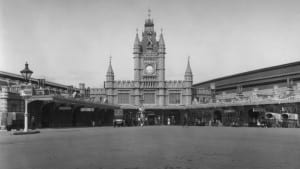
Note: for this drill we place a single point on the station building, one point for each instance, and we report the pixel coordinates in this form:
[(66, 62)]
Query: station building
[(243, 99), (149, 88)]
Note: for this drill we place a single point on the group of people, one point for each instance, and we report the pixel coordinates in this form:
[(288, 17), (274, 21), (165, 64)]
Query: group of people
[(171, 120), (141, 119)]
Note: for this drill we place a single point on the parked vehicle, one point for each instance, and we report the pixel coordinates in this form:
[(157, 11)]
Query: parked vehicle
[(273, 119), (118, 120), (290, 120)]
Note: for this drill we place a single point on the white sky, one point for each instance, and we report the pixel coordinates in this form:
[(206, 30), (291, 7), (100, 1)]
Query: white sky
[(69, 41)]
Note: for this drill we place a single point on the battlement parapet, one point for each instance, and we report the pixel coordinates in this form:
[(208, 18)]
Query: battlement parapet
[(123, 84), (174, 84)]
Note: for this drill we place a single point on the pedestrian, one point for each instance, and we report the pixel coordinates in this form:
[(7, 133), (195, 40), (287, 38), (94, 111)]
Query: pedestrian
[(173, 120), (158, 119), (185, 120), (142, 118), (32, 123), (9, 123), (169, 120), (139, 121)]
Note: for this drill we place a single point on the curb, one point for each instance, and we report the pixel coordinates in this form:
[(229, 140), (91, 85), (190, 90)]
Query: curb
[(24, 133)]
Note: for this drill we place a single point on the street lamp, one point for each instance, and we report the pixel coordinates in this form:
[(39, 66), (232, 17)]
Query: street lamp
[(26, 73), (141, 112)]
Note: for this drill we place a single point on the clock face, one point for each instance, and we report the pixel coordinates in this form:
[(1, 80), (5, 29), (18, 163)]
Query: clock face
[(149, 69)]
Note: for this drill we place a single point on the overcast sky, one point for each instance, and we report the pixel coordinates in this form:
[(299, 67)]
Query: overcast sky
[(69, 41)]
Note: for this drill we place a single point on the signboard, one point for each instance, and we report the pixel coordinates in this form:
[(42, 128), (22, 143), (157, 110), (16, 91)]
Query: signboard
[(87, 109), (229, 111), (26, 92), (65, 108)]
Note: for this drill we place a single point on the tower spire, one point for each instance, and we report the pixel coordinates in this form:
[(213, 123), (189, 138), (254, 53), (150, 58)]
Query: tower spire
[(161, 43), (110, 72), (161, 39), (188, 83), (188, 71), (149, 21), (149, 13), (137, 40)]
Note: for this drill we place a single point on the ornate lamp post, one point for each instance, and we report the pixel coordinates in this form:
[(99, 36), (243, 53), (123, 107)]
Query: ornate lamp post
[(213, 92), (26, 73)]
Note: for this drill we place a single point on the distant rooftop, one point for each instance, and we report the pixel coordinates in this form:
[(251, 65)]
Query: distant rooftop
[(292, 64), (9, 75)]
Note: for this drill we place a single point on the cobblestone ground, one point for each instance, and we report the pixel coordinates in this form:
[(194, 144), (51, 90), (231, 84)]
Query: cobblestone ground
[(157, 147)]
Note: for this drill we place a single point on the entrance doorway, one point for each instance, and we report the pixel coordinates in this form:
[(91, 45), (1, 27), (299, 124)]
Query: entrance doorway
[(255, 118), (153, 118), (46, 115), (218, 116)]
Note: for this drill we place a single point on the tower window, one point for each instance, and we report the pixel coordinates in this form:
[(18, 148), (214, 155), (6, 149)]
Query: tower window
[(174, 98), (149, 98), (123, 98)]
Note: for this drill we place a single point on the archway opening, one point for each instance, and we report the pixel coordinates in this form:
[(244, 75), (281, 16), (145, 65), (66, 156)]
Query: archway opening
[(46, 114), (217, 116), (255, 118)]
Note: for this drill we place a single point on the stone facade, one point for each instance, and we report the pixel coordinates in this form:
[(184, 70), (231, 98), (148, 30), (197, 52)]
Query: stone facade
[(149, 86), (11, 107)]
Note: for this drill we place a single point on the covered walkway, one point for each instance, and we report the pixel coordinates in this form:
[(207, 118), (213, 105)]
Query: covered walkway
[(57, 111)]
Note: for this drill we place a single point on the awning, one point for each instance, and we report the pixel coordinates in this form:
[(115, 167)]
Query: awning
[(258, 109), (60, 99)]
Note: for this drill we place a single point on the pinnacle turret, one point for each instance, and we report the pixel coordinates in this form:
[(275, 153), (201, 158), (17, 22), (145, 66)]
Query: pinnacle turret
[(137, 44), (188, 71), (161, 41), (161, 44), (110, 72), (137, 41)]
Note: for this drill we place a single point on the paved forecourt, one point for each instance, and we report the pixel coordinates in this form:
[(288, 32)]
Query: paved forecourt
[(160, 147)]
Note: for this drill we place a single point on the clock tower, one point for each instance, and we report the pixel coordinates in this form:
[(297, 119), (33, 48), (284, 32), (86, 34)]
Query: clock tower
[(149, 64)]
